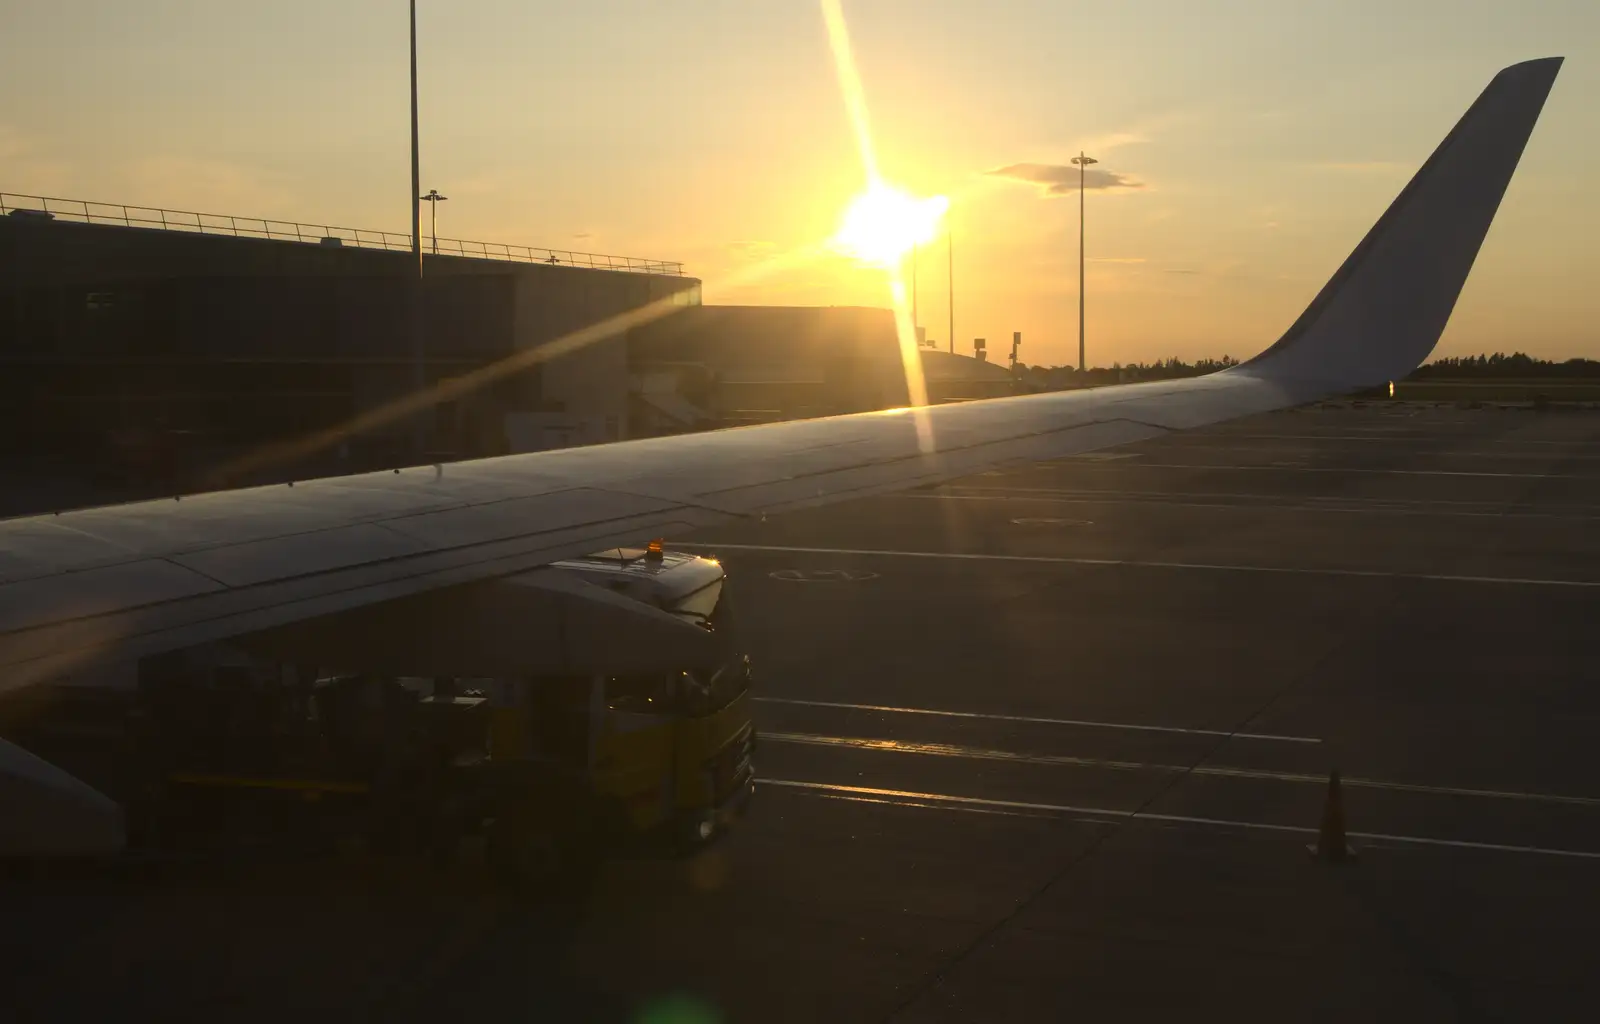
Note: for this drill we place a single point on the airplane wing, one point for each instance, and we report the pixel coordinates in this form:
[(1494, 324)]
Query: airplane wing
[(129, 580)]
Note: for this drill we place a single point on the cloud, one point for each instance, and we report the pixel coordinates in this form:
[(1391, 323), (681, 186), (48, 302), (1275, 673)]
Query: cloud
[(751, 249), (1116, 140), (493, 183), (12, 145), (1062, 179), (1365, 166), (1219, 268), (209, 186), (31, 167)]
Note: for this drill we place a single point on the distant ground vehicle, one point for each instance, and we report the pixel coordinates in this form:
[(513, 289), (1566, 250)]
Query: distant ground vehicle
[(553, 769), (667, 751)]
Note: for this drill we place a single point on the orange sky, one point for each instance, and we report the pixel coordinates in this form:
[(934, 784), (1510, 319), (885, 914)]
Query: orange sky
[(1256, 146)]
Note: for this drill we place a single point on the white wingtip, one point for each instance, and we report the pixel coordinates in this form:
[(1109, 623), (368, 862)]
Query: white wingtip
[(1382, 313)]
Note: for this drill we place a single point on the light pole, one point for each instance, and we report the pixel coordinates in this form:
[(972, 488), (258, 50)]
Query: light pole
[(418, 378), (914, 287), (950, 278), (433, 199), (1083, 163)]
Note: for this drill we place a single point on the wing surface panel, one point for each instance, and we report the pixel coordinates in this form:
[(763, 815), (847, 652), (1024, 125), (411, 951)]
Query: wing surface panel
[(1380, 315), (187, 569)]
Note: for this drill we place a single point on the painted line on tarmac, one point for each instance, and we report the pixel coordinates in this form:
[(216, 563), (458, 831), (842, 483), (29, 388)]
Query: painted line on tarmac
[(944, 801), (1437, 453), (996, 811), (1214, 771), (1385, 436), (1039, 495), (1123, 492), (1031, 720), (1353, 470), (1134, 563)]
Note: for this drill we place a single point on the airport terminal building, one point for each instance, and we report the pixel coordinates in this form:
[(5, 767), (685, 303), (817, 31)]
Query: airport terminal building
[(153, 346), (109, 331)]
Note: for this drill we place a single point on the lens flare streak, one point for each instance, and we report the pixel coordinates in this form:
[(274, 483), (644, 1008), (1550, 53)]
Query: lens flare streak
[(380, 417), (883, 224), (881, 227)]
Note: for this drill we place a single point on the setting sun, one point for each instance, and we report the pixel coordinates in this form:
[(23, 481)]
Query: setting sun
[(882, 224)]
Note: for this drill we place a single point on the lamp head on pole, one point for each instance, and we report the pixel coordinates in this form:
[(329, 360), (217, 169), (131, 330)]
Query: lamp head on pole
[(433, 196), (1084, 161)]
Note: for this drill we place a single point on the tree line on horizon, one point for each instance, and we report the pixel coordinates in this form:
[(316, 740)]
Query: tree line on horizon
[(1051, 378), (1498, 366)]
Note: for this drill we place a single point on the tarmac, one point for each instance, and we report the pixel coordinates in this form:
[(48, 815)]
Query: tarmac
[(1046, 743)]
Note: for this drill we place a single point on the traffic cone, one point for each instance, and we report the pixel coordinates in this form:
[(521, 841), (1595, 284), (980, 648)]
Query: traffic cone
[(1331, 846)]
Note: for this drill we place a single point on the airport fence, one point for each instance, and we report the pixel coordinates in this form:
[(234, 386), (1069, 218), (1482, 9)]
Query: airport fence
[(150, 217)]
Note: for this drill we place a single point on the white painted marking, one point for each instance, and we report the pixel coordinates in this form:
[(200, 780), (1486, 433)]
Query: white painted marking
[(1394, 447), (1106, 456), (911, 798), (1357, 470), (1049, 521), (1385, 435), (1132, 563), (1114, 492), (823, 575), (996, 811), (1031, 720), (1216, 771), (1371, 508)]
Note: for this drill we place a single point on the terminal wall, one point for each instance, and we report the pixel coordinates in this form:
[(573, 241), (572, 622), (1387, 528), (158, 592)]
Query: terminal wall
[(112, 337)]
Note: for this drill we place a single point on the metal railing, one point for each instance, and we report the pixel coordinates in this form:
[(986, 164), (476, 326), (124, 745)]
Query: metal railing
[(82, 212)]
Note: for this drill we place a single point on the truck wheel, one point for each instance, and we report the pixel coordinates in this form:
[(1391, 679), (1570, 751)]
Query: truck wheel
[(695, 831)]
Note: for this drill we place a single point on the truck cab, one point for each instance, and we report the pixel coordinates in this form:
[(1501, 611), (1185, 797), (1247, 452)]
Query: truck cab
[(667, 742)]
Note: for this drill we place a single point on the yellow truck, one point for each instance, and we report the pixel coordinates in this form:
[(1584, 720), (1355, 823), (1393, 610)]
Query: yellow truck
[(664, 745), (597, 704)]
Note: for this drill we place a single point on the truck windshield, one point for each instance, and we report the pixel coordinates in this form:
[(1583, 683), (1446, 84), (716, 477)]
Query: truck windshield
[(696, 691), (702, 607), (706, 693)]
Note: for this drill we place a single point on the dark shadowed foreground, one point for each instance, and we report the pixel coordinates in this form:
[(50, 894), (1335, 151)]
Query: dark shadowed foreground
[(1071, 771)]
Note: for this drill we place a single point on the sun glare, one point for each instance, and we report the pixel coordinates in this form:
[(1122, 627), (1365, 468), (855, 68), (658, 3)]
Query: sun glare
[(882, 225)]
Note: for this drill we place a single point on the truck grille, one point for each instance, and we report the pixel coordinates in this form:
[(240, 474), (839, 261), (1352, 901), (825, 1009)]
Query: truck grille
[(731, 767)]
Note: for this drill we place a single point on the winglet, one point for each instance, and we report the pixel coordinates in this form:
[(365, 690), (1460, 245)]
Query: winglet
[(1380, 316)]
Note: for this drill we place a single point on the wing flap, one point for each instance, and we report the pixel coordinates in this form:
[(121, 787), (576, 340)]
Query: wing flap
[(89, 593), (502, 520)]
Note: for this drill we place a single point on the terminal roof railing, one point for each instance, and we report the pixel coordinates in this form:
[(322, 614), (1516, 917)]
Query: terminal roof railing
[(82, 212)]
